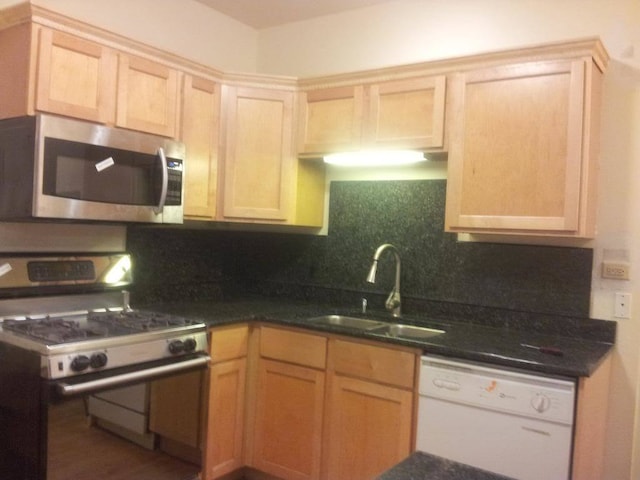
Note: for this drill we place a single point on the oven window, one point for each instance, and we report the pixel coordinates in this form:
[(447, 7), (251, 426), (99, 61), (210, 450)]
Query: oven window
[(100, 174)]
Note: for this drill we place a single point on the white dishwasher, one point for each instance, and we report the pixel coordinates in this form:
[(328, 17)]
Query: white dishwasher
[(504, 421)]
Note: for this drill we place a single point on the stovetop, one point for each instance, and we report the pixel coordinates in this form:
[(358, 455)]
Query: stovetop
[(88, 325), (55, 330)]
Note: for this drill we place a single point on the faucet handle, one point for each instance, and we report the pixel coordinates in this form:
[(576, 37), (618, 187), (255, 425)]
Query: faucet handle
[(364, 305)]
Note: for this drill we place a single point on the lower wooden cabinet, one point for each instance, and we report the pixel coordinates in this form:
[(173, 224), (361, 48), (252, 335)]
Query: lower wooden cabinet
[(225, 419), (288, 428), (175, 411), (370, 409), (369, 428)]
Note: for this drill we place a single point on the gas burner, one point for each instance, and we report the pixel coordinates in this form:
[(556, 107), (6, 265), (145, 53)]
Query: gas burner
[(54, 330), (140, 320)]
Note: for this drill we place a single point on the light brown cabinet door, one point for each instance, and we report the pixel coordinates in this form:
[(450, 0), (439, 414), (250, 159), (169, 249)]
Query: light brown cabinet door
[(518, 153), (76, 78), (175, 410), (225, 419), (199, 130), (331, 119), (259, 156), (147, 96), (407, 114), (288, 427), (369, 428)]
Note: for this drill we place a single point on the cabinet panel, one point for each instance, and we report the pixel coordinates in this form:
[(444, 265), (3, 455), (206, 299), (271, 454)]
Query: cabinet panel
[(229, 343), (407, 114), (147, 96), (200, 126), (175, 410), (259, 154), (225, 419), (369, 428), (380, 364), (288, 429), (331, 119), (517, 149), (294, 347), (76, 78)]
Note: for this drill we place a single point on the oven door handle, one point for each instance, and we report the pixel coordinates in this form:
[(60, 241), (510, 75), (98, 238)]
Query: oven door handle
[(67, 389), (165, 182)]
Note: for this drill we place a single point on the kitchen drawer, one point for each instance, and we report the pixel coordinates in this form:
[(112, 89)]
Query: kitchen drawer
[(379, 364), (228, 343), (293, 347)]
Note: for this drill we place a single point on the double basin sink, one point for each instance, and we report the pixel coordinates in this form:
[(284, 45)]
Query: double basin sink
[(377, 327)]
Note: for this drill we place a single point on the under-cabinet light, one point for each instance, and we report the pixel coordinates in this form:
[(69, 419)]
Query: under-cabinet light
[(375, 158)]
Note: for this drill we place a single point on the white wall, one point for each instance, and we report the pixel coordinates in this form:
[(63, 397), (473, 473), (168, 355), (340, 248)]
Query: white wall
[(413, 31)]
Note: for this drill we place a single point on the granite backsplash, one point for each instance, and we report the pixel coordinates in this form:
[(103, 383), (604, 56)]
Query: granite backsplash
[(439, 273)]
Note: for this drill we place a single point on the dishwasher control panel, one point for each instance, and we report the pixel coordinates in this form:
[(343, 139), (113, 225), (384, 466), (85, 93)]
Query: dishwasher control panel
[(490, 387)]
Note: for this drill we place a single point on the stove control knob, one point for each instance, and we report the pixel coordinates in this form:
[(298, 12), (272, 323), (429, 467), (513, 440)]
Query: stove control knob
[(190, 345), (98, 360), (176, 346), (80, 363)]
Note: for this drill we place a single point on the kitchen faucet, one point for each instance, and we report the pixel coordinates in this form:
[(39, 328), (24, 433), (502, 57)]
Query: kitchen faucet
[(393, 302)]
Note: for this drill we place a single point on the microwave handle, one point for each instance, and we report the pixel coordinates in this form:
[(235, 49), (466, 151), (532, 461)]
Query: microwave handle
[(165, 182)]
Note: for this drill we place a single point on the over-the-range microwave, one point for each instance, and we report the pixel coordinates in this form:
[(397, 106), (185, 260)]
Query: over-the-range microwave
[(58, 168)]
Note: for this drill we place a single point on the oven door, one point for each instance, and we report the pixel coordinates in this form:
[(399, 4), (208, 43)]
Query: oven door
[(48, 434), (121, 377), (87, 171)]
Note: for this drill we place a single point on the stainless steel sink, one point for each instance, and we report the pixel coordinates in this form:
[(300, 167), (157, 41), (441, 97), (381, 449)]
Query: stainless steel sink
[(347, 322), (410, 332)]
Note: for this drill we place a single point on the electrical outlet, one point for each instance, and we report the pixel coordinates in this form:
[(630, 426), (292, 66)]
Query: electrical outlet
[(622, 307), (615, 270)]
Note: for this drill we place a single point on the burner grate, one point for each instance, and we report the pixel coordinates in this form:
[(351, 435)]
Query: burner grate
[(54, 330), (140, 320)]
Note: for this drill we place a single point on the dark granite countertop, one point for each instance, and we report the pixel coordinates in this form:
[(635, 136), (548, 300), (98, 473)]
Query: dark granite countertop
[(423, 466), (462, 340)]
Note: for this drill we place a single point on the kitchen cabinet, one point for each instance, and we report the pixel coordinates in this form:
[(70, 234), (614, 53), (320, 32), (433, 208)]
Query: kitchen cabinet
[(147, 95), (370, 409), (263, 180), (61, 73), (176, 416), (199, 131), (523, 148), (225, 419), (42, 69), (289, 404), (259, 160), (75, 77), (591, 423), (392, 114), (331, 119)]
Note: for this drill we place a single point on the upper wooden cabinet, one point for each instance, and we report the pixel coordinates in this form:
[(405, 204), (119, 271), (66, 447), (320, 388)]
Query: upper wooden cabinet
[(69, 75), (258, 162), (331, 119), (75, 77), (147, 96), (408, 114), (523, 149), (199, 130), (264, 182)]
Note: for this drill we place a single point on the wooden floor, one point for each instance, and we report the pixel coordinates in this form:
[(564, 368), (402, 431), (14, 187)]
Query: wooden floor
[(82, 452)]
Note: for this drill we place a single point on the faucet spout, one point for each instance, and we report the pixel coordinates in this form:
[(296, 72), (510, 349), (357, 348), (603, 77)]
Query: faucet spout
[(393, 303)]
